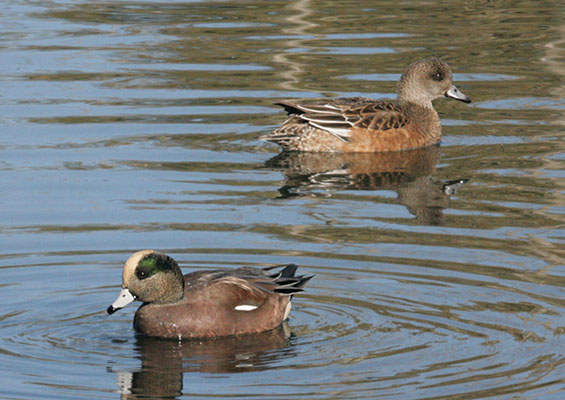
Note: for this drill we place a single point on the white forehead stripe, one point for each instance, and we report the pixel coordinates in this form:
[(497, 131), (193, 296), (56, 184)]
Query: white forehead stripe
[(245, 307), (131, 265)]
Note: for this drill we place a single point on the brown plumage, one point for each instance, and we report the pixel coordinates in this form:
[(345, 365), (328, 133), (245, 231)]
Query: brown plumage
[(364, 125), (205, 304)]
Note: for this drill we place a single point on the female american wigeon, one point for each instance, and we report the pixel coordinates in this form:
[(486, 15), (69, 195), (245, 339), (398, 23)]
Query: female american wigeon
[(364, 125), (205, 304)]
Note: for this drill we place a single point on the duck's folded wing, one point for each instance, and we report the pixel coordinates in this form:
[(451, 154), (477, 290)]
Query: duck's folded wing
[(235, 293), (249, 292), (341, 116), (329, 116)]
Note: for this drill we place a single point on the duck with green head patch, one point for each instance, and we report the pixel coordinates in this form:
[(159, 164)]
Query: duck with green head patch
[(205, 304)]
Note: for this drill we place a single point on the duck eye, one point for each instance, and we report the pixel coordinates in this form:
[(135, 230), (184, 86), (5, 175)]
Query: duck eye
[(437, 76), (140, 274)]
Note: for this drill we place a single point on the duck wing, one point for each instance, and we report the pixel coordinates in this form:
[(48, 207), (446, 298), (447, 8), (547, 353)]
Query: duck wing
[(247, 288), (339, 117)]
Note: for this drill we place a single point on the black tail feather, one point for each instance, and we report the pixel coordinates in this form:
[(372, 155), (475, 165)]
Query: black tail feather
[(292, 285), (286, 280), (287, 272)]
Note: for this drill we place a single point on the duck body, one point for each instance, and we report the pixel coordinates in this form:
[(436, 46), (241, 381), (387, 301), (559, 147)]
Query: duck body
[(209, 304), (365, 125)]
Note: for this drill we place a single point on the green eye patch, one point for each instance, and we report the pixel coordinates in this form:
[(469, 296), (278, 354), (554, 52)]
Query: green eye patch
[(152, 264)]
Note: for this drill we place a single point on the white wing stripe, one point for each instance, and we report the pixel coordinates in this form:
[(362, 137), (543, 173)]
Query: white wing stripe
[(342, 134), (322, 109)]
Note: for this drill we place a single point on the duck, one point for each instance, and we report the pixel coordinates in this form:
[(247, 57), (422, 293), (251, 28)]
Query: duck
[(205, 304), (360, 124)]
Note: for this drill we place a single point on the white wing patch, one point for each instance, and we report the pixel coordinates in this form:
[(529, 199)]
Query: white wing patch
[(319, 108), (245, 307), (342, 134)]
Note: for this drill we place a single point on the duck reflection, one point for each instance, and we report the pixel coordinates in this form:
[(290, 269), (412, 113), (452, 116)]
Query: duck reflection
[(409, 173), (163, 361)]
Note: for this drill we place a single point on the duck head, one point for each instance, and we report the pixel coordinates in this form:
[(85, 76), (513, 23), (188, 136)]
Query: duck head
[(150, 277)]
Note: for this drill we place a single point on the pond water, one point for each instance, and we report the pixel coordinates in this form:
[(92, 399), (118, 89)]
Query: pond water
[(128, 125)]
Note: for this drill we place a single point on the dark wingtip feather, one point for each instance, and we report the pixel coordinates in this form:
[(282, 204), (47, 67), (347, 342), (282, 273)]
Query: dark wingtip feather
[(304, 279), (287, 282), (291, 286), (291, 109), (287, 272)]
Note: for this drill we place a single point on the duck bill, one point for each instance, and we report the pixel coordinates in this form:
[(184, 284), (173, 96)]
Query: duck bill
[(456, 94), (124, 298)]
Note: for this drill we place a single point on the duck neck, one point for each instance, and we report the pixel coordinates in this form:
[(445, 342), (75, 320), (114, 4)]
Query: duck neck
[(426, 118), (171, 288), (174, 295)]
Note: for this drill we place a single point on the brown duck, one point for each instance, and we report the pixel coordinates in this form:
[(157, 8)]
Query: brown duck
[(364, 125), (205, 304)]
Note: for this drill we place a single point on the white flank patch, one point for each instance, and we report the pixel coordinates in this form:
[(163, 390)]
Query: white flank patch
[(287, 310), (245, 307)]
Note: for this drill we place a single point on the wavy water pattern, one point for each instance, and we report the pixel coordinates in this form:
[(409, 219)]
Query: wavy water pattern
[(128, 125)]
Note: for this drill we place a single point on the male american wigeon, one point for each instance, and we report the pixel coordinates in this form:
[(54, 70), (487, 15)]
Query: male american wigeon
[(205, 304), (364, 125)]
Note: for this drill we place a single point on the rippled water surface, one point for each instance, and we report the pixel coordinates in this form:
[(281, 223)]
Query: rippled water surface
[(128, 125)]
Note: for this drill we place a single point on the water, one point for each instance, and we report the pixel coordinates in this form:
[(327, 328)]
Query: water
[(132, 125)]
